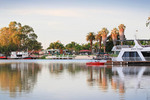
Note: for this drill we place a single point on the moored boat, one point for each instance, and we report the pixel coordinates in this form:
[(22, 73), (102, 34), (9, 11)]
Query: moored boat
[(94, 63), (20, 55), (2, 56), (136, 53)]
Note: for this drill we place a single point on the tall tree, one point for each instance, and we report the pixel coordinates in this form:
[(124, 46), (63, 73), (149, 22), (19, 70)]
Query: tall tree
[(56, 45), (86, 46), (121, 32), (104, 37), (90, 37), (17, 37), (99, 38), (114, 35)]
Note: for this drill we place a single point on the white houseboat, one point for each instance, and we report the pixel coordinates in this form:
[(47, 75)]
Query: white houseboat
[(20, 55), (132, 53)]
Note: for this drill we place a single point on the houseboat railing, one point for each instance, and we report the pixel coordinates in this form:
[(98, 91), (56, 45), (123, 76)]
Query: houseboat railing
[(147, 58), (131, 58)]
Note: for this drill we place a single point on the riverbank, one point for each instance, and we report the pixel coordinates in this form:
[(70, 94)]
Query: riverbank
[(76, 57), (84, 57)]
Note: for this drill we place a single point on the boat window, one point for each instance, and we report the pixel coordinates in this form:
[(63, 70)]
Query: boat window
[(19, 55), (131, 56), (146, 55)]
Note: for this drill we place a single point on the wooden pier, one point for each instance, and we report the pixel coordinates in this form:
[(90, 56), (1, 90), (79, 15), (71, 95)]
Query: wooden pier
[(130, 63), (59, 57)]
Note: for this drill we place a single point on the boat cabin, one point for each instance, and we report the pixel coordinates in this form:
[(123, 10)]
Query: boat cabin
[(17, 55), (135, 53)]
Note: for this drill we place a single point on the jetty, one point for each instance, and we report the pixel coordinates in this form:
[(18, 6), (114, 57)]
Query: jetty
[(59, 57)]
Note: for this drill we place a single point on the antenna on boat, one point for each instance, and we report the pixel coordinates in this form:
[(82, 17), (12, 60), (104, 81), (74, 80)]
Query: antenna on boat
[(136, 34)]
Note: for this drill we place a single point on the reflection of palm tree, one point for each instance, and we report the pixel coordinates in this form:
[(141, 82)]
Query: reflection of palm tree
[(56, 68), (90, 37), (113, 84), (104, 80), (99, 38), (104, 33), (121, 88), (121, 32), (114, 35), (90, 79)]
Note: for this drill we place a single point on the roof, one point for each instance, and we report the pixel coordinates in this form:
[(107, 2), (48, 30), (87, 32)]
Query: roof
[(85, 51)]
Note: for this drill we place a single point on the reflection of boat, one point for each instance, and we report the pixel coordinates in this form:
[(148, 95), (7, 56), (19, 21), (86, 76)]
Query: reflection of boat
[(95, 63), (20, 55)]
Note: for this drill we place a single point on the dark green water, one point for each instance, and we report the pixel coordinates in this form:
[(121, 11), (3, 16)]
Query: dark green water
[(71, 80)]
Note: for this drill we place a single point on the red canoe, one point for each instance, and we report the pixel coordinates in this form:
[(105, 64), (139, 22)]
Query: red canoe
[(95, 63)]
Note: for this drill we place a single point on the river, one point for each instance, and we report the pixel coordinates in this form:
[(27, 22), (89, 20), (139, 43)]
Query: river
[(72, 80)]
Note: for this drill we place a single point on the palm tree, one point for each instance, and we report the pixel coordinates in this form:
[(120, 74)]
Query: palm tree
[(121, 32), (114, 35), (104, 37), (99, 38), (90, 37), (148, 22)]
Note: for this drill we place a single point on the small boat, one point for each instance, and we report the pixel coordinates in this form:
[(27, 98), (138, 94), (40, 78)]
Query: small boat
[(95, 63), (2, 56)]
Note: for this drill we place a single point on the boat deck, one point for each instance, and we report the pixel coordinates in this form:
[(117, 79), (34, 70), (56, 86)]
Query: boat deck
[(130, 63)]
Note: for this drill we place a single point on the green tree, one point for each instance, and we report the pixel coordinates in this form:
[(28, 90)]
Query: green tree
[(90, 37), (56, 45), (78, 47), (73, 46), (109, 44), (98, 37), (86, 46), (17, 37)]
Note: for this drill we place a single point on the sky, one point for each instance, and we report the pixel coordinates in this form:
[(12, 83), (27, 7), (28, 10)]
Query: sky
[(72, 20)]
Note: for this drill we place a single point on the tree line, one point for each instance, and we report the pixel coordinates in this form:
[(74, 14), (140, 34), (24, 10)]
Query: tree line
[(116, 37), (91, 36), (17, 37), (102, 36)]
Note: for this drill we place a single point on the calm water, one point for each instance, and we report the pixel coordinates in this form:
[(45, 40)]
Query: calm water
[(71, 80)]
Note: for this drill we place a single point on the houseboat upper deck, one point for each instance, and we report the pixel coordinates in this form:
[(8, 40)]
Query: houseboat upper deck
[(132, 53)]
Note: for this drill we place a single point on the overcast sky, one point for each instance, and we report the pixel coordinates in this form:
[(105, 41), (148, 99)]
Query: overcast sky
[(71, 20)]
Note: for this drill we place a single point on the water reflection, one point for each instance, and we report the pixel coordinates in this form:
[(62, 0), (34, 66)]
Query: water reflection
[(119, 79), (18, 77), (100, 76), (120, 82)]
